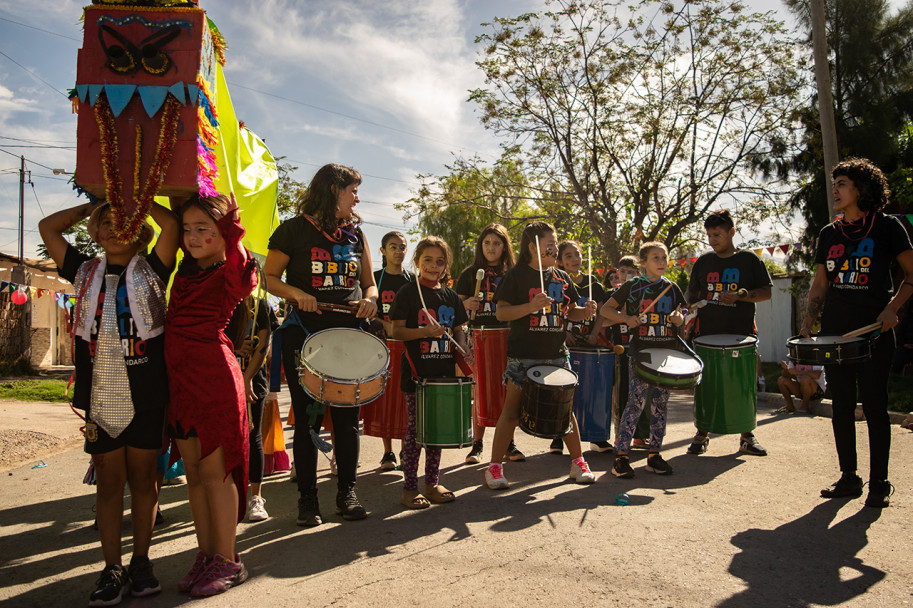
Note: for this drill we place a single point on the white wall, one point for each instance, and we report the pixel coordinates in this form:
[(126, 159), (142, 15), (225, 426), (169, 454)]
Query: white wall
[(774, 319)]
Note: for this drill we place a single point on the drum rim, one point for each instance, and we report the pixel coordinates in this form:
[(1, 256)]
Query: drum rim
[(448, 381), (690, 379), (638, 364), (531, 367), (753, 343), (307, 365), (795, 341)]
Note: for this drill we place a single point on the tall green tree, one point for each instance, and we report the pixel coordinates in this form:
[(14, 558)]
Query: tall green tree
[(458, 205), (635, 118), (871, 65)]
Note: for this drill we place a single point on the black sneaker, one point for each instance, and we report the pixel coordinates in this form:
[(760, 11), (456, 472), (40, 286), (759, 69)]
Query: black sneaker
[(879, 494), (309, 510), (348, 506), (475, 454), (142, 578), (513, 454), (557, 446), (388, 462), (750, 445), (159, 518), (849, 484), (699, 444), (622, 468), (656, 464), (601, 446), (111, 586)]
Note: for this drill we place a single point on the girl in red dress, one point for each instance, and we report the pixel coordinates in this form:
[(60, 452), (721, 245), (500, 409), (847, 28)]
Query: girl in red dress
[(207, 416)]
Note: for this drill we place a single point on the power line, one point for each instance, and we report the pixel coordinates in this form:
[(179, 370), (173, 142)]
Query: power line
[(28, 159), (39, 141), (53, 88), (40, 146), (32, 27)]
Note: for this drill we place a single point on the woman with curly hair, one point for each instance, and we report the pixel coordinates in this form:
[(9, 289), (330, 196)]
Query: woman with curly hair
[(853, 287)]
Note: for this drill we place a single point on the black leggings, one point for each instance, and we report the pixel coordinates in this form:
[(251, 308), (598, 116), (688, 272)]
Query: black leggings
[(872, 377), (345, 424), (256, 441)]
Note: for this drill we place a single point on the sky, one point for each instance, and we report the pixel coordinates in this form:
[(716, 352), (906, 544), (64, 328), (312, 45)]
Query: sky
[(380, 86)]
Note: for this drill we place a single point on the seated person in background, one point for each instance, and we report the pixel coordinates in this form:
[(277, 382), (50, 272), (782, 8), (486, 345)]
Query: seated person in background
[(808, 384)]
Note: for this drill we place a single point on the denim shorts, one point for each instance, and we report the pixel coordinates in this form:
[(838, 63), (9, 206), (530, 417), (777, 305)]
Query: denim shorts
[(516, 368)]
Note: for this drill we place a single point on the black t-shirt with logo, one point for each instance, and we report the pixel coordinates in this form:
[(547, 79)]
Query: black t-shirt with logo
[(635, 295), (433, 357), (712, 276), (857, 259), (145, 359), (619, 333), (466, 284), (387, 286), (539, 335), (583, 283), (328, 269)]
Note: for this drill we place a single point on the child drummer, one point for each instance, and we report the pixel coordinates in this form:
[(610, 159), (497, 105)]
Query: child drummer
[(719, 277), (429, 317), (648, 303), (537, 299)]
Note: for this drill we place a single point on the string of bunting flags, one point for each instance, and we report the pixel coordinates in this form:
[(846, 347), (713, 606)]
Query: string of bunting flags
[(785, 249), (20, 294)]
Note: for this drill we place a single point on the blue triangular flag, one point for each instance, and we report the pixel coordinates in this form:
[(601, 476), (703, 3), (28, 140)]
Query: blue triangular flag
[(119, 95), (153, 96), (194, 92), (82, 90), (94, 91), (177, 89)]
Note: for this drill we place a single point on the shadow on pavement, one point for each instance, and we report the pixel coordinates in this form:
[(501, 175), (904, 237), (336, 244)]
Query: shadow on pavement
[(800, 563)]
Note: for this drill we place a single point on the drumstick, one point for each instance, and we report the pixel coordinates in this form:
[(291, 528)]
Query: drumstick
[(346, 308), (858, 332), (589, 255), (655, 300), (541, 275), (433, 320), (480, 274)]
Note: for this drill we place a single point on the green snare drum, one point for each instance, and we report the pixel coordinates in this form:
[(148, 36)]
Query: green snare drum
[(726, 400), (443, 412)]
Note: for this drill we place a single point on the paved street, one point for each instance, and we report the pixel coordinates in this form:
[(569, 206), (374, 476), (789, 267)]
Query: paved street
[(725, 530)]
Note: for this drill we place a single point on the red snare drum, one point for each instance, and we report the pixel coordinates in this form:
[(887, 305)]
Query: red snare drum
[(386, 416), (490, 348)]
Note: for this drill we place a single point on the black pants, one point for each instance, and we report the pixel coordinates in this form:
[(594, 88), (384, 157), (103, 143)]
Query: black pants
[(256, 441), (345, 424), (872, 377)]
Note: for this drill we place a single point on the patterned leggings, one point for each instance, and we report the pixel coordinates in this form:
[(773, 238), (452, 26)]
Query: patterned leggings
[(637, 401), (412, 450)]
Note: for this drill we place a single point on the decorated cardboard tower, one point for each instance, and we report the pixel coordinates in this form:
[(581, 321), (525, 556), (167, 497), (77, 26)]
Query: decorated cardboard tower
[(147, 71)]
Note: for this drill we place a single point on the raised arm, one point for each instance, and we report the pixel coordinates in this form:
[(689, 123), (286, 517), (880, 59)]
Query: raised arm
[(53, 226), (166, 246)]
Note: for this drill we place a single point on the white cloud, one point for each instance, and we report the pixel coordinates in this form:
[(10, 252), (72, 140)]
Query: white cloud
[(11, 103)]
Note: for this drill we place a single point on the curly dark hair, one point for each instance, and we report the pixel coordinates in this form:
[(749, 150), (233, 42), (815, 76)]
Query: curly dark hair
[(874, 192)]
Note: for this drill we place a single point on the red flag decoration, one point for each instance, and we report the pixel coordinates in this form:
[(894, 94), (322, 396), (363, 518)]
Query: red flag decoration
[(19, 297), (784, 249), (682, 262), (693, 260), (770, 250)]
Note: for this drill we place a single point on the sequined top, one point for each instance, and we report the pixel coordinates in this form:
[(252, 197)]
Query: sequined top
[(144, 357)]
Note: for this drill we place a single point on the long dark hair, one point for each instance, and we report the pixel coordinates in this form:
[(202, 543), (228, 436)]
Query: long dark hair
[(532, 230), (507, 254), (237, 327), (383, 243), (319, 199)]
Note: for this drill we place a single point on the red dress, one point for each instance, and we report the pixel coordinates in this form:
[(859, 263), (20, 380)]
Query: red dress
[(205, 381)]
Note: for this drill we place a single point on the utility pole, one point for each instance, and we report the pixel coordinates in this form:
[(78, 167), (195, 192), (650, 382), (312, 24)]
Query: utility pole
[(20, 274), (825, 98)]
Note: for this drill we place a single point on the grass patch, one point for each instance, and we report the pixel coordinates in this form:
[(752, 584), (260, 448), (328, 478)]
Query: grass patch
[(52, 390)]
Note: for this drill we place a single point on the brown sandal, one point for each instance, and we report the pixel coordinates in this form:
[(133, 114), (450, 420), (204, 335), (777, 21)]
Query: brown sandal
[(439, 494), (413, 500)]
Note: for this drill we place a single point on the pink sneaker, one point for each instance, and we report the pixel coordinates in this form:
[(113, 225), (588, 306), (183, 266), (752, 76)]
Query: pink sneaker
[(220, 575), (580, 472), (196, 571), (494, 477)]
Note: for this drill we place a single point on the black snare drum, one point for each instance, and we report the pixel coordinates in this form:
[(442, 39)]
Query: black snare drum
[(547, 401), (826, 350)]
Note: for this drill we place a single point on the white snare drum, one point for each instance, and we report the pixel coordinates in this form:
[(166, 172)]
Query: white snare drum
[(668, 368), (344, 367)]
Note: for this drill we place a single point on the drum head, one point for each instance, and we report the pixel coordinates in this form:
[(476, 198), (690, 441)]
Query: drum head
[(345, 354), (726, 340), (551, 375), (668, 361), (824, 341)]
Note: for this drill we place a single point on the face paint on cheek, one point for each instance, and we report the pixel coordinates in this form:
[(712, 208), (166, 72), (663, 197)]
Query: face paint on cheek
[(209, 240)]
